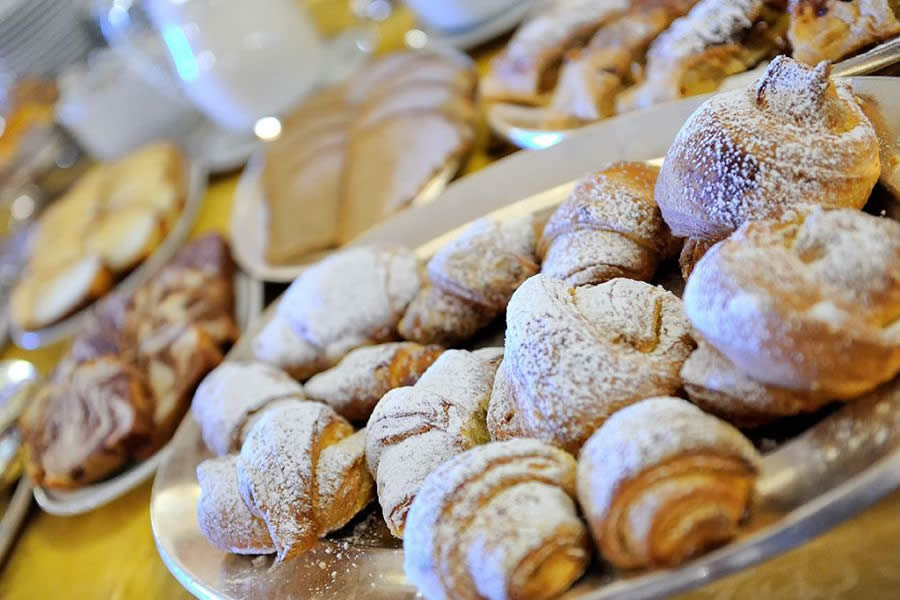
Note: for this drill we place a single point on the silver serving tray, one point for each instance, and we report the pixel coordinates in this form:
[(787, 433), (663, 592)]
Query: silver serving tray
[(248, 305), (30, 339), (808, 485), (515, 123)]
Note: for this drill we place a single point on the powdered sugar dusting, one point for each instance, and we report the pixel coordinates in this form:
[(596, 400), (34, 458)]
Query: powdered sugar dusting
[(644, 435), (445, 545), (575, 356)]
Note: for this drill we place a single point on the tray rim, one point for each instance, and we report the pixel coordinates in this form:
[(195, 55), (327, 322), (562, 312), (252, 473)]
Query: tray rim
[(794, 528)]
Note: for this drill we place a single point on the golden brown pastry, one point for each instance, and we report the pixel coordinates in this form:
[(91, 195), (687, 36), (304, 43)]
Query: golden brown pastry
[(414, 429), (717, 38), (608, 227), (302, 470), (832, 29), (527, 67), (794, 137), (574, 356), (355, 385), (352, 298), (592, 77), (810, 303), (718, 387), (231, 394), (85, 427), (661, 482), (470, 281), (497, 522)]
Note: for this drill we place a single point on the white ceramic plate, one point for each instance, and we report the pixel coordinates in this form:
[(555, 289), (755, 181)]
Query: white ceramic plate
[(248, 306), (197, 176), (810, 484), (484, 31)]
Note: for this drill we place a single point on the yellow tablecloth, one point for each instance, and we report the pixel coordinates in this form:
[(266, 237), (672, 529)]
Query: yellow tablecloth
[(109, 554)]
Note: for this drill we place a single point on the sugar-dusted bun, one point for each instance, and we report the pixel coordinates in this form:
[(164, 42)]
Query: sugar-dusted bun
[(717, 386), (574, 356), (661, 481), (809, 303), (794, 137)]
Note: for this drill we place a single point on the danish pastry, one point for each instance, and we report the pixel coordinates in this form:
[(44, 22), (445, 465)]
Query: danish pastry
[(574, 357), (414, 429), (358, 382), (470, 281), (609, 227), (497, 522), (661, 481), (832, 29), (809, 303)]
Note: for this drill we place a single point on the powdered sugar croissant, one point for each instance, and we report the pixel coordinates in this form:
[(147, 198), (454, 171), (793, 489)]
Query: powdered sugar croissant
[(497, 522), (661, 481)]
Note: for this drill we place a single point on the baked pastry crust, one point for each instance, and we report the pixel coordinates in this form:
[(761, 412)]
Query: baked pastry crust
[(832, 29), (414, 429), (661, 481), (574, 357), (809, 303), (497, 522), (608, 227)]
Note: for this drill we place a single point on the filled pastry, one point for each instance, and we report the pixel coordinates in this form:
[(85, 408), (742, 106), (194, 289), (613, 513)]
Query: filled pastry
[(809, 303), (526, 69), (414, 429), (717, 38), (718, 387), (352, 298), (470, 281), (302, 471), (574, 357), (355, 385), (228, 398), (608, 227), (499, 522), (793, 137), (832, 29), (661, 482)]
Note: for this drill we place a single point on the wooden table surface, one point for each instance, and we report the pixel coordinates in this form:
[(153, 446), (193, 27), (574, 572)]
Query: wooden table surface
[(109, 554)]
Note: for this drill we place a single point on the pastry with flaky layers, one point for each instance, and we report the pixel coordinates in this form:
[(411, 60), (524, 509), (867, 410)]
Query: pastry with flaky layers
[(497, 522), (661, 482), (352, 298), (794, 137), (832, 29), (470, 281), (355, 385), (414, 429), (574, 357), (810, 303), (608, 227)]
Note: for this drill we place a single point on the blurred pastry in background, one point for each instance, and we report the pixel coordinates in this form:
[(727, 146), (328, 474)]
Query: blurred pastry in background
[(832, 29)]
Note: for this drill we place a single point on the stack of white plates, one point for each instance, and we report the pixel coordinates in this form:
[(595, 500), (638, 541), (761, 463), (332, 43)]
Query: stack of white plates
[(41, 36)]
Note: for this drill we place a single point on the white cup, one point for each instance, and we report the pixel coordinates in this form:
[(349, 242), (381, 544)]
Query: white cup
[(457, 15)]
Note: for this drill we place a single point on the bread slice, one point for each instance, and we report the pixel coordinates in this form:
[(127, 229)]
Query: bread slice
[(431, 69), (373, 74), (126, 237), (389, 163), (416, 97)]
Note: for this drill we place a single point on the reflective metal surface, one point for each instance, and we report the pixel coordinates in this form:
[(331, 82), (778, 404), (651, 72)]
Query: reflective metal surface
[(518, 124), (808, 485), (248, 305), (31, 339)]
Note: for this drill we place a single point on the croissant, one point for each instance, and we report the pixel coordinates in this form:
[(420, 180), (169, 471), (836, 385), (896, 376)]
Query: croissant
[(470, 281), (661, 482), (358, 382), (574, 357), (229, 396), (352, 298), (608, 227), (717, 38), (808, 303), (414, 429), (794, 137), (302, 471), (81, 429), (715, 385), (497, 522), (832, 29)]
